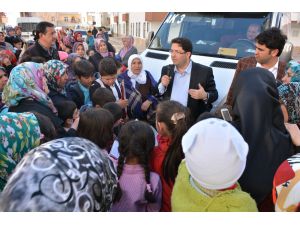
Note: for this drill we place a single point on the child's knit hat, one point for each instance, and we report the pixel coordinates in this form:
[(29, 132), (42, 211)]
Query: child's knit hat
[(215, 153)]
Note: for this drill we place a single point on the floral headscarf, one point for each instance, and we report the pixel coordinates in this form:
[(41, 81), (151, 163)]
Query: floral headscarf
[(295, 68), (67, 174), (54, 70), (19, 133), (289, 95), (26, 81)]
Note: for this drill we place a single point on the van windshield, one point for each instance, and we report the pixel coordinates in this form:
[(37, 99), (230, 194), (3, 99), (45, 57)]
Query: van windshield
[(226, 35)]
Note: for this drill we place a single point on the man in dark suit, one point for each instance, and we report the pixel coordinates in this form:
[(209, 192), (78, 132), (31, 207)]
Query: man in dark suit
[(187, 82), (269, 46)]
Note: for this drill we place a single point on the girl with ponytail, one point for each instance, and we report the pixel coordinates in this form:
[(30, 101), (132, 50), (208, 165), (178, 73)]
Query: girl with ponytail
[(172, 122), (138, 190)]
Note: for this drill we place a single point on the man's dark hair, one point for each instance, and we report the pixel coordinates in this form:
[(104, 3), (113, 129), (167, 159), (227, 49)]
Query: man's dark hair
[(107, 67), (83, 68), (273, 38), (102, 96), (41, 28), (185, 43)]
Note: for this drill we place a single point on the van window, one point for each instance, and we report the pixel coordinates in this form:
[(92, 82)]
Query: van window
[(212, 34)]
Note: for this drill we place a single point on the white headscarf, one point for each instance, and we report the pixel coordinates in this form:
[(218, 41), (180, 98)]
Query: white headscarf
[(141, 78)]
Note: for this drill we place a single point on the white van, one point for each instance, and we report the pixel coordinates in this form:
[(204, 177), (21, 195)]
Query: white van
[(219, 40)]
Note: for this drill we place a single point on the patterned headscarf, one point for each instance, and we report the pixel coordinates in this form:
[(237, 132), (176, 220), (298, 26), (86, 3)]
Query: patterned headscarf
[(289, 95), (26, 81), (54, 70), (19, 133), (295, 68), (67, 174)]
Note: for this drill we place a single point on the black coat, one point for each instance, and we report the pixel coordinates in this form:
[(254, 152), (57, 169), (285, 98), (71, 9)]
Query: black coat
[(29, 105), (199, 74), (75, 94), (257, 115), (38, 50)]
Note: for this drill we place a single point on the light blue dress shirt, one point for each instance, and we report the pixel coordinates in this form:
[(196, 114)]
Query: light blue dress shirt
[(181, 85)]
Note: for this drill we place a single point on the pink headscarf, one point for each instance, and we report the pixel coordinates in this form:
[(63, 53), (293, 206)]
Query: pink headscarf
[(97, 48)]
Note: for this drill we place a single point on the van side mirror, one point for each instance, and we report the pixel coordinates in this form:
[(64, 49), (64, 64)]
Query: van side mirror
[(149, 38), (286, 54)]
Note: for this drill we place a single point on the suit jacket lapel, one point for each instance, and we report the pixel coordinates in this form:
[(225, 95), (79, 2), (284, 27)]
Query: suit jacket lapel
[(172, 75)]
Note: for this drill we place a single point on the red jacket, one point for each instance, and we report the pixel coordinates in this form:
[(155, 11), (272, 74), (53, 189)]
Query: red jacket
[(157, 158)]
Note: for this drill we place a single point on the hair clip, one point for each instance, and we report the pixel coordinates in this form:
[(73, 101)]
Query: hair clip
[(148, 187), (177, 116)]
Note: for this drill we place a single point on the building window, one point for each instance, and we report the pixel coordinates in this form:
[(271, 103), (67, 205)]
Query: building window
[(66, 19), (138, 29), (145, 31), (73, 19), (53, 19)]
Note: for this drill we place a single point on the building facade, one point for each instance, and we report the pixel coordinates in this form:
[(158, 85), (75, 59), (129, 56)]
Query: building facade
[(137, 24)]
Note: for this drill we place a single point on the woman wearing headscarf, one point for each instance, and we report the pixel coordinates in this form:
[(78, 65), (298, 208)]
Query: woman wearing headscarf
[(3, 44), (292, 73), (26, 91), (110, 47), (127, 50), (78, 38), (57, 77), (19, 133), (80, 49), (289, 95), (8, 61), (73, 57), (101, 53), (258, 117), (67, 174), (140, 89)]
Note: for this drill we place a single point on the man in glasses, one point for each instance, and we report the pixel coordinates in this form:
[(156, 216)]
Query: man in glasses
[(187, 82)]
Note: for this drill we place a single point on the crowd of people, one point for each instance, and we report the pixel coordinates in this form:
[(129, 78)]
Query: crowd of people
[(86, 128)]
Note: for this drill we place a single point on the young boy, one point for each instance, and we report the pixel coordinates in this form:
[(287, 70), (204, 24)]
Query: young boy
[(108, 79), (17, 42), (78, 91), (101, 96)]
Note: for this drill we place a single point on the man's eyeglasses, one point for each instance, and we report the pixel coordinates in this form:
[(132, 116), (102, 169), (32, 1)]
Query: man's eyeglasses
[(176, 52)]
